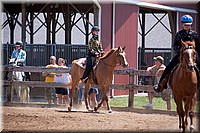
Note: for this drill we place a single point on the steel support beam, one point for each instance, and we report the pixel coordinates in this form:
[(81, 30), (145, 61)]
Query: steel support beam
[(67, 20), (173, 26), (31, 28), (48, 21), (96, 15), (23, 39)]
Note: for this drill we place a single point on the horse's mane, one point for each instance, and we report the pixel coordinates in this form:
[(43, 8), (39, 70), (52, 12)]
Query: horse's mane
[(107, 54)]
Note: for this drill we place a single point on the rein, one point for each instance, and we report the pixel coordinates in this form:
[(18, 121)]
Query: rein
[(183, 62)]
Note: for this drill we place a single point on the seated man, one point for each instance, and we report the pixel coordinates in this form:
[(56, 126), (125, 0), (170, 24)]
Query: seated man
[(157, 69)]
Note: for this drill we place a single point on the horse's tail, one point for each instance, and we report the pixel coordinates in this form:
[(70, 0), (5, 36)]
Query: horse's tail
[(68, 85), (76, 73)]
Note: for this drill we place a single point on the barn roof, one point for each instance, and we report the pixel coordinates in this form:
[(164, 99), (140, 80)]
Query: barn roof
[(157, 6)]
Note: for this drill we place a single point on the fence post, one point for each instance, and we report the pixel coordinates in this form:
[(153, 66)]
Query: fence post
[(8, 91), (131, 92), (9, 87)]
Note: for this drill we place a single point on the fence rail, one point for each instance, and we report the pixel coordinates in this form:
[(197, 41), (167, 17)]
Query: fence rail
[(131, 86)]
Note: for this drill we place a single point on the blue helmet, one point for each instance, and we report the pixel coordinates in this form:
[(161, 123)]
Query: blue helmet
[(186, 19)]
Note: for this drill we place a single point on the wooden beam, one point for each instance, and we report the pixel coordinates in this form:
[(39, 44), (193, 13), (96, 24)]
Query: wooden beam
[(131, 92), (129, 71)]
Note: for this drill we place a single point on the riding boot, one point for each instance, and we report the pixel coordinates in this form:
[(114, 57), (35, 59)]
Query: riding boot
[(89, 67)]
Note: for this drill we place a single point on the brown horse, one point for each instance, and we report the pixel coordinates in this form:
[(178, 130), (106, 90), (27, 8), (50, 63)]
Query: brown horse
[(104, 74), (183, 83)]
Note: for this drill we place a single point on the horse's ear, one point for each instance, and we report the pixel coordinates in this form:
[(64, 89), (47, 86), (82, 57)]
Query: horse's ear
[(119, 48), (123, 48)]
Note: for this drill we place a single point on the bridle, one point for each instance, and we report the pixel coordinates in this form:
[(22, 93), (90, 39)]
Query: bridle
[(118, 63), (189, 66)]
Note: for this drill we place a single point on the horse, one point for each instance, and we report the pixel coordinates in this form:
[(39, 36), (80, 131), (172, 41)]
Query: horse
[(21, 91), (104, 74), (183, 82)]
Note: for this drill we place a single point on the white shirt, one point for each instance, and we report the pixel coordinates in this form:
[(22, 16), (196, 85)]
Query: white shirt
[(62, 77)]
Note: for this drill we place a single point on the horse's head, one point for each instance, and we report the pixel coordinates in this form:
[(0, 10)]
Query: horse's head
[(188, 54), (121, 57)]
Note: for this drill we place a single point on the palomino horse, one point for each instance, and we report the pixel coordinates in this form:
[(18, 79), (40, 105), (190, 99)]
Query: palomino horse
[(21, 91), (104, 73), (183, 83)]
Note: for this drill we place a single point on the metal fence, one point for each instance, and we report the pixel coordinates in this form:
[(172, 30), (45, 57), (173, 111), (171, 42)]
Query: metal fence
[(147, 60), (39, 54), (148, 54)]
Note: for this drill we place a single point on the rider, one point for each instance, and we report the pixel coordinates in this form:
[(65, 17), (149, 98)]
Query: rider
[(186, 34), (20, 55), (95, 48)]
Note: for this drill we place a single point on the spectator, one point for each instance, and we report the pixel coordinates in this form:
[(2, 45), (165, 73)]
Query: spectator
[(62, 93), (158, 69), (50, 78), (20, 57)]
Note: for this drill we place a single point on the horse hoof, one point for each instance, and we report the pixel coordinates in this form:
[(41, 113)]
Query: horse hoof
[(110, 111), (90, 110), (191, 128), (69, 109), (95, 109)]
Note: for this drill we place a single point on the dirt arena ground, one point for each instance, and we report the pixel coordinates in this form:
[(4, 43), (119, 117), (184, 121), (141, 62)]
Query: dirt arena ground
[(48, 119)]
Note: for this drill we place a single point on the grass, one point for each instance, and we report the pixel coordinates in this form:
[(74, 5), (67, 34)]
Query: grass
[(140, 101)]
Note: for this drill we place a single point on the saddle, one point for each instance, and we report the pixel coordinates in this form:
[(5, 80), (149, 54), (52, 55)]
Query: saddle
[(82, 63)]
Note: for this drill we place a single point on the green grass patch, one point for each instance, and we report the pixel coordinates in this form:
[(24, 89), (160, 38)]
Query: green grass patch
[(140, 101)]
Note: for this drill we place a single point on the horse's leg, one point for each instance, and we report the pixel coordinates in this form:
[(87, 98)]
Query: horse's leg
[(104, 98), (191, 112), (178, 108), (108, 106), (182, 114), (87, 87), (187, 105), (71, 96)]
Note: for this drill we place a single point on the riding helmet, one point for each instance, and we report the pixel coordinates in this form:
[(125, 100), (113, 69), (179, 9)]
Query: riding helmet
[(186, 19), (95, 28), (19, 43)]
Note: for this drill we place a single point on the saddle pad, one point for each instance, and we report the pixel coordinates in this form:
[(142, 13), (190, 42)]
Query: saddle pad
[(81, 62)]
